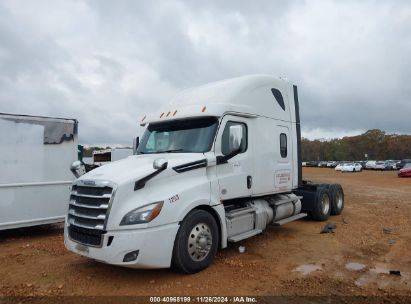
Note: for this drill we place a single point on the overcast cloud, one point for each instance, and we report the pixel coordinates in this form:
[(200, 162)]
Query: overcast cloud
[(107, 63)]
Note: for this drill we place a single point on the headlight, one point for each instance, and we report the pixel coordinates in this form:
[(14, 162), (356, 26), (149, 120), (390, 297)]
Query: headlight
[(142, 215)]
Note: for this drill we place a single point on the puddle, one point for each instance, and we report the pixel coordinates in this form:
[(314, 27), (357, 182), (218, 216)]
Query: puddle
[(380, 277), (362, 281), (355, 266), (379, 270), (372, 279), (308, 268)]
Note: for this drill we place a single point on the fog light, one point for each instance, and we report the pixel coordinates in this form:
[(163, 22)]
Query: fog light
[(131, 256)]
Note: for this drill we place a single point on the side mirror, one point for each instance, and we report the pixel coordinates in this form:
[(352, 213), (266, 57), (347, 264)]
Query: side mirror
[(136, 142), (77, 168), (160, 163), (235, 144)]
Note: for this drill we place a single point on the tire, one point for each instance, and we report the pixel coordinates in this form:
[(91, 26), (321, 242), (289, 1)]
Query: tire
[(198, 228), (322, 207), (337, 199)]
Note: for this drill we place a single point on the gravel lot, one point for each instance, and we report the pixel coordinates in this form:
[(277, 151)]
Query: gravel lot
[(373, 236)]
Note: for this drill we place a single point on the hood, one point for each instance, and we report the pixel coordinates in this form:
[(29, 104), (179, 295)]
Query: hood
[(137, 166), (405, 170)]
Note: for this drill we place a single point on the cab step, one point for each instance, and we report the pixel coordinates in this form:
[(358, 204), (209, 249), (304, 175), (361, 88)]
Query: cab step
[(290, 219), (239, 211), (244, 235)]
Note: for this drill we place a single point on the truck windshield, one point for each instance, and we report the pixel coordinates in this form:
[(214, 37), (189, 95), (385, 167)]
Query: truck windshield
[(179, 136)]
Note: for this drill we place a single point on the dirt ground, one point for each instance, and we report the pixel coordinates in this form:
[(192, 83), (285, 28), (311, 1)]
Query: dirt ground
[(373, 234)]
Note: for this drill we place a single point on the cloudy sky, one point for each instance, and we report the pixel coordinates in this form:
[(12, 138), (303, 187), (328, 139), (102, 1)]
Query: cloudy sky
[(107, 63)]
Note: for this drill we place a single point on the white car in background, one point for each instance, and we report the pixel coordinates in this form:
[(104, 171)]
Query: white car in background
[(339, 166), (351, 167), (370, 164)]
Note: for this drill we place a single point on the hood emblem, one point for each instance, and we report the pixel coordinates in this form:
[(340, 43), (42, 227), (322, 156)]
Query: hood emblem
[(89, 182)]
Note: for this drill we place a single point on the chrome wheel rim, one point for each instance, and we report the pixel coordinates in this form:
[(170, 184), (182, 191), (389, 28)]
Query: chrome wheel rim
[(325, 202), (200, 241), (339, 199)]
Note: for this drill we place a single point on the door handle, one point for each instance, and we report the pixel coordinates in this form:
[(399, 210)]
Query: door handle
[(249, 181)]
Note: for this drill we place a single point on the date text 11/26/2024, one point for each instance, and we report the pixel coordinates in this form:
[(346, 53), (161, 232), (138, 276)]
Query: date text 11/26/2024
[(203, 299)]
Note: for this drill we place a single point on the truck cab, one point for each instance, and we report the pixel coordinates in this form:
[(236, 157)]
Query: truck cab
[(217, 164)]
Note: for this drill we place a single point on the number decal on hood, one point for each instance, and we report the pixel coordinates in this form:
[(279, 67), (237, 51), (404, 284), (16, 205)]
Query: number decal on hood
[(174, 198)]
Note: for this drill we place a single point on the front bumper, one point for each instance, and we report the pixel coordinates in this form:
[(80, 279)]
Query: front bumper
[(155, 246)]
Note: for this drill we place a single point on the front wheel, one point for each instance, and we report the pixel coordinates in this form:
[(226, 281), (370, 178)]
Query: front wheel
[(196, 242)]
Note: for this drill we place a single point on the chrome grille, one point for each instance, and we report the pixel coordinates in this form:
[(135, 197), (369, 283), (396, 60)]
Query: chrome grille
[(88, 211)]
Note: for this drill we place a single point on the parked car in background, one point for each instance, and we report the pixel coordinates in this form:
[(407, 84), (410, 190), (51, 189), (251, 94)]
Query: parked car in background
[(370, 164), (405, 171), (322, 164), (381, 165), (362, 163), (391, 164), (402, 163), (351, 167), (332, 164), (339, 166), (312, 163)]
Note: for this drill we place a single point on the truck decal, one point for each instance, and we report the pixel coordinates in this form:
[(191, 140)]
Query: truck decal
[(174, 198), (282, 178)]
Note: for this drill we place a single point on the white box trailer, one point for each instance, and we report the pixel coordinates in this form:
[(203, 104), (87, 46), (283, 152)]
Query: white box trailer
[(35, 157)]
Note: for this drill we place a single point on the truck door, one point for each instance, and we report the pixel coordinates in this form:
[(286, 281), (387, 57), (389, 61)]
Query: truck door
[(234, 176), (282, 176)]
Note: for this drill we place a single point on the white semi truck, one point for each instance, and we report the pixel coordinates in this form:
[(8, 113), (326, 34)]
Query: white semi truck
[(217, 165)]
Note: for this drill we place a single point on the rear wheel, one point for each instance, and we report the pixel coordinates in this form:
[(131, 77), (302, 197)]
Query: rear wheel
[(337, 199), (196, 242), (322, 206)]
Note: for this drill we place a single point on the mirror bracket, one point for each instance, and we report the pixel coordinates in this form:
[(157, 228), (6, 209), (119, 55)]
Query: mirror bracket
[(223, 159), (160, 164)]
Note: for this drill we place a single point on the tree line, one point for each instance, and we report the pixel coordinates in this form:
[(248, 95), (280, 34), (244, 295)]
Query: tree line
[(373, 144)]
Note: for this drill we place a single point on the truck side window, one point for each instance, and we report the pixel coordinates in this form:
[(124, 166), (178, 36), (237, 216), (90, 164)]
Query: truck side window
[(283, 145), (227, 143)]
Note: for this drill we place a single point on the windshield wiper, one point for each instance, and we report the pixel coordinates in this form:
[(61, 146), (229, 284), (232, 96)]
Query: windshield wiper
[(171, 151)]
